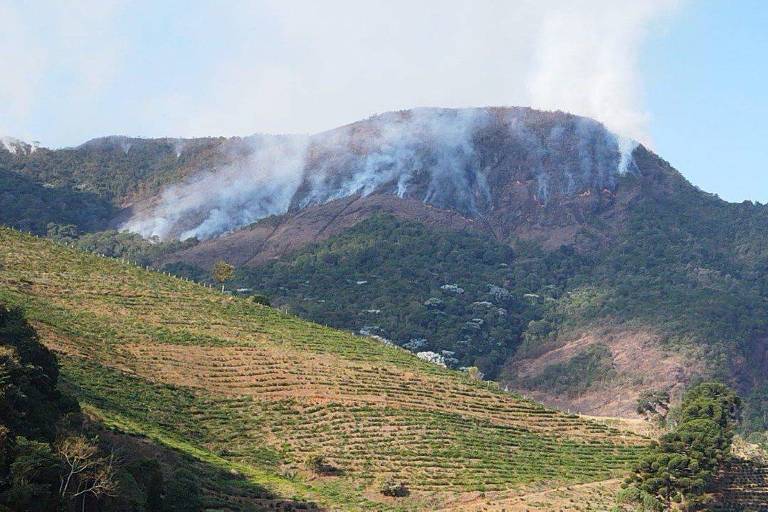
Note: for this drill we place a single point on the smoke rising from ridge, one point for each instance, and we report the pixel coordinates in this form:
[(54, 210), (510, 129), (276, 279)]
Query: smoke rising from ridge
[(250, 187), (445, 157)]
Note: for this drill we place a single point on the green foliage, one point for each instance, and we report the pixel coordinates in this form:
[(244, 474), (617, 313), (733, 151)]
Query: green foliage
[(33, 477), (187, 270), (120, 244), (30, 206), (182, 493), (30, 402), (31, 407), (394, 488), (388, 277), (712, 401), (260, 299), (222, 271), (755, 414), (641, 500), (148, 476), (115, 169), (682, 467)]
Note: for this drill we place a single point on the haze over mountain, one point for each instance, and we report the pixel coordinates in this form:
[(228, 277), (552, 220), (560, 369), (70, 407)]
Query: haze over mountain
[(463, 160)]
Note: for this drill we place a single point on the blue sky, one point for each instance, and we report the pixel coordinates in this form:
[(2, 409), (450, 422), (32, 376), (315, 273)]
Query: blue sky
[(689, 78), (706, 79)]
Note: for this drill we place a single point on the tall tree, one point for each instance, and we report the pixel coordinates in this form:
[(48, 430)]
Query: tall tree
[(682, 466)]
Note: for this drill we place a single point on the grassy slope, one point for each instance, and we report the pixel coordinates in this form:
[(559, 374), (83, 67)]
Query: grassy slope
[(244, 387)]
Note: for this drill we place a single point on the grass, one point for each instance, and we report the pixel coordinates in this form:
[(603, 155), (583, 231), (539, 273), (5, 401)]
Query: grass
[(246, 388)]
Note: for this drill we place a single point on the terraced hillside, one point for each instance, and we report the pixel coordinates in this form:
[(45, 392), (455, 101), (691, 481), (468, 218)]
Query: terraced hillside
[(743, 486), (254, 392)]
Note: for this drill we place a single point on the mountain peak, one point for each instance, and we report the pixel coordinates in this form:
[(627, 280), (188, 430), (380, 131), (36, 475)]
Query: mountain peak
[(473, 161)]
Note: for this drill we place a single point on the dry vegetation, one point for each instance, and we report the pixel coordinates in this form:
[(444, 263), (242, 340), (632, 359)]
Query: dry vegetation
[(251, 390)]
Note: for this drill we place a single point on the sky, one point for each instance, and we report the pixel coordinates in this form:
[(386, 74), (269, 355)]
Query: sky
[(687, 78)]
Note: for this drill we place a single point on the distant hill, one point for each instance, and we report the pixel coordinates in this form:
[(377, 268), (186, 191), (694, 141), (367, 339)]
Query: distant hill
[(247, 389)]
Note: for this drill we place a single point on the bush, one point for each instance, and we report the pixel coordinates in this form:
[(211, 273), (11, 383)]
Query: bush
[(320, 465), (260, 299), (394, 488)]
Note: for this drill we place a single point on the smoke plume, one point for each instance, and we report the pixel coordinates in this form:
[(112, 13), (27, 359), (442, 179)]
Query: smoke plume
[(444, 157)]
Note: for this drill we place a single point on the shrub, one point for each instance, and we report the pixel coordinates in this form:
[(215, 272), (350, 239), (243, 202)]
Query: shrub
[(320, 465), (260, 299), (394, 488)]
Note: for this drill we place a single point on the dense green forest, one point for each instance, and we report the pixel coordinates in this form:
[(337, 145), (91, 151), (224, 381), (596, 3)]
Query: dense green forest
[(459, 295), (114, 168), (30, 206), (87, 185), (118, 244)]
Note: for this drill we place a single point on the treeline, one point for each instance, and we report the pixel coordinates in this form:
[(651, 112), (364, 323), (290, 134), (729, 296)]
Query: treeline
[(115, 168), (29, 206), (118, 244), (51, 459)]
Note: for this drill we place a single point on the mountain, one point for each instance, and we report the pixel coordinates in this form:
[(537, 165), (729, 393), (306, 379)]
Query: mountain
[(590, 270), (273, 412), (514, 171)]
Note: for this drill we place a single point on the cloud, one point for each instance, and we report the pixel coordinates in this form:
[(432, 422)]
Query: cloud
[(23, 66), (192, 69), (338, 61), (55, 56)]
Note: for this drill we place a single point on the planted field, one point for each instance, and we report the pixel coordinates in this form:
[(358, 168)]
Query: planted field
[(244, 387)]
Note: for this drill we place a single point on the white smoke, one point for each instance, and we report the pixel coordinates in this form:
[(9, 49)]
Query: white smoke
[(16, 146), (396, 151), (438, 156), (586, 61), (249, 188)]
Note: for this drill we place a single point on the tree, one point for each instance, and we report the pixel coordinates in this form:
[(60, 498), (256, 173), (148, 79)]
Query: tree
[(653, 405), (30, 402), (148, 476), (36, 473), (86, 472), (182, 493), (32, 477), (474, 373), (222, 271), (682, 466), (62, 232)]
